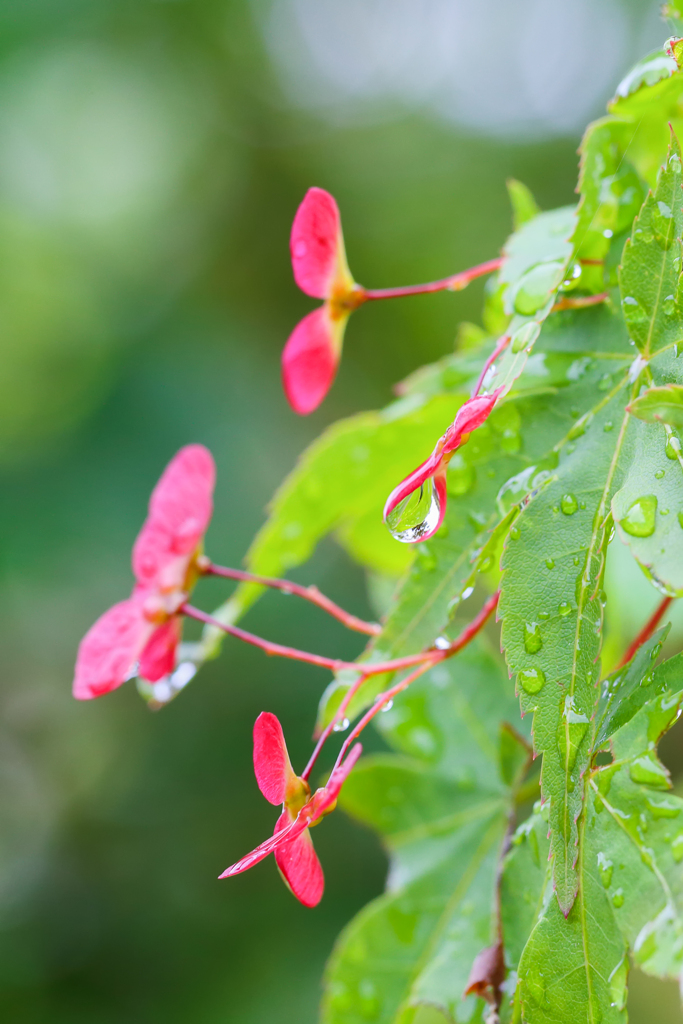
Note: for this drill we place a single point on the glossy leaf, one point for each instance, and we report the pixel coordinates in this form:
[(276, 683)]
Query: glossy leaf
[(660, 405)]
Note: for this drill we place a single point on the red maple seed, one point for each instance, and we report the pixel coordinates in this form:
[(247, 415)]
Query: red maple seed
[(291, 841), (145, 630)]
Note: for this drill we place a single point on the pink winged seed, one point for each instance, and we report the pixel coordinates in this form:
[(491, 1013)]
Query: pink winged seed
[(316, 243), (159, 656), (271, 760), (180, 511), (298, 862), (309, 361), (110, 648)]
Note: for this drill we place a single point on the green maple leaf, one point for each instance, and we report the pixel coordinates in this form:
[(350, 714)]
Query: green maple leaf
[(630, 896)]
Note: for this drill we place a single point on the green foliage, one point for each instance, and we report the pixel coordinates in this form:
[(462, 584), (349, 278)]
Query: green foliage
[(582, 450), (441, 804)]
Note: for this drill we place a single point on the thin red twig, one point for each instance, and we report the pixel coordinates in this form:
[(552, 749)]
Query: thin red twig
[(468, 634), (579, 301), (501, 345), (311, 594), (456, 282), (647, 630)]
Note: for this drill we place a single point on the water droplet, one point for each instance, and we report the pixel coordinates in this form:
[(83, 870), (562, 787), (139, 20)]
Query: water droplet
[(514, 532), (656, 651), (669, 306), (618, 898), (569, 504), (486, 564), (550, 562), (643, 235), (663, 224), (536, 287), (467, 592), (564, 608), (617, 984), (572, 277), (532, 638), (460, 476), (605, 867), (388, 706), (663, 808), (544, 616), (341, 726), (526, 335), (680, 519), (675, 163), (417, 515), (639, 521), (659, 474), (633, 311), (673, 447), (571, 730), (677, 847), (650, 772), (605, 382), (531, 679), (608, 426), (442, 643)]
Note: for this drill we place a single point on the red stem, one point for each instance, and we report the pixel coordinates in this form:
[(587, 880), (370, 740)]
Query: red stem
[(647, 630), (454, 283), (579, 302), (432, 655), (468, 634), (311, 594), (501, 345)]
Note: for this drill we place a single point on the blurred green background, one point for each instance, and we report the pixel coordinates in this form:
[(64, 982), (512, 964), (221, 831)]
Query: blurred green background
[(152, 155)]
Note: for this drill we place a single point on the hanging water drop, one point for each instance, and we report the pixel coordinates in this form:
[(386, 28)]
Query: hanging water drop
[(341, 726), (569, 504), (388, 706), (417, 515), (639, 520)]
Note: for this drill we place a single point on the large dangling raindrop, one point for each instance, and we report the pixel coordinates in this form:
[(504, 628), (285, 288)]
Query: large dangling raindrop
[(417, 516)]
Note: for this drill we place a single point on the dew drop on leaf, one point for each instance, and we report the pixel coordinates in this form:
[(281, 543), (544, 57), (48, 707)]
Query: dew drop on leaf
[(514, 530), (571, 730), (617, 983), (608, 426), (633, 311), (532, 680), (618, 898), (417, 515), (659, 474), (663, 224), (669, 306), (639, 520), (532, 638), (649, 772), (564, 608), (605, 867), (550, 563), (526, 335), (673, 447), (536, 287), (569, 504), (677, 847)]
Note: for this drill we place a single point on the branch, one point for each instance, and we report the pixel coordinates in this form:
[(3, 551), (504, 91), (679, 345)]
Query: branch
[(647, 631), (455, 283), (311, 594), (579, 302)]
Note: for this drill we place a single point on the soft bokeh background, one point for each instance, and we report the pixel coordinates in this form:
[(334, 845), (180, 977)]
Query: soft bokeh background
[(152, 155)]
